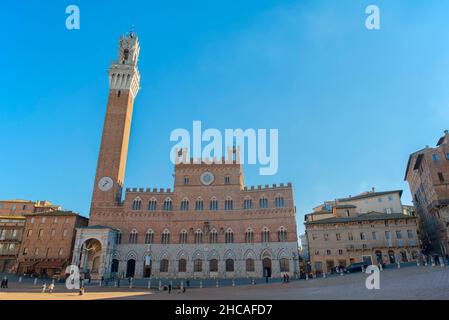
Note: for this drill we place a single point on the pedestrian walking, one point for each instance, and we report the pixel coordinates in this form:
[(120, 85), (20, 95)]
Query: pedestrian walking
[(2, 284), (44, 287), (169, 289), (6, 283), (51, 287)]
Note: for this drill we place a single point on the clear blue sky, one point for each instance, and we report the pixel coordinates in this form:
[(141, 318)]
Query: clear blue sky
[(350, 104)]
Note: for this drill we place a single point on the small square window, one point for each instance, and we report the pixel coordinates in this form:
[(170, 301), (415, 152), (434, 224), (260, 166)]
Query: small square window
[(435, 157)]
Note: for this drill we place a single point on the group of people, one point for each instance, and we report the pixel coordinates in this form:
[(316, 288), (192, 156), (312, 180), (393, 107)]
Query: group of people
[(48, 289), (4, 284), (285, 278)]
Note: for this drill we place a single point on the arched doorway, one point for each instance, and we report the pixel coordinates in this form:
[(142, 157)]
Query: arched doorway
[(147, 266), (266, 264), (404, 256), (130, 268), (114, 267), (91, 259), (392, 257)]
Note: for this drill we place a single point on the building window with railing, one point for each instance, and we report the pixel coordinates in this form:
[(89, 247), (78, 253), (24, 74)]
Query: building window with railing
[(197, 265), (163, 265), (229, 265), (284, 265), (182, 265), (250, 265), (213, 265)]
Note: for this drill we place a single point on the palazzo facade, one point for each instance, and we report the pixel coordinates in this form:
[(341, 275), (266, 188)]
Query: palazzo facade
[(210, 225)]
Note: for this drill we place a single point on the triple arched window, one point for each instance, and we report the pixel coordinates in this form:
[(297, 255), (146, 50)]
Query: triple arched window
[(149, 237), (199, 204), (213, 236), (279, 202), (198, 237), (249, 236), (282, 234), (213, 204), (168, 205), (165, 239), (247, 203), (229, 236), (263, 203), (152, 205), (229, 205), (185, 205), (133, 236), (265, 235), (183, 237), (137, 204)]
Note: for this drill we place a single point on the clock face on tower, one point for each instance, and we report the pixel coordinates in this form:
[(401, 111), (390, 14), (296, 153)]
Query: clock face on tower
[(207, 178), (105, 184)]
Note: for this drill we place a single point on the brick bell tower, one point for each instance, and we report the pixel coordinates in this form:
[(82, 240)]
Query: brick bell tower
[(124, 80)]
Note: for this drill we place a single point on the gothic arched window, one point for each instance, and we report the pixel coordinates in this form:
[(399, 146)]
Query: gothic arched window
[(247, 203), (163, 265), (229, 236), (213, 265), (213, 236), (137, 204), (265, 235), (149, 237), (133, 236), (229, 265), (165, 239), (263, 203), (182, 265), (198, 237), (279, 202), (183, 237), (282, 234), (199, 205), (168, 205), (250, 265), (229, 205), (185, 205), (249, 236), (152, 205), (213, 204)]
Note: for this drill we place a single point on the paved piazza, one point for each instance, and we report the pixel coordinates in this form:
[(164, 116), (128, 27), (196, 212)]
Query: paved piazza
[(421, 283)]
